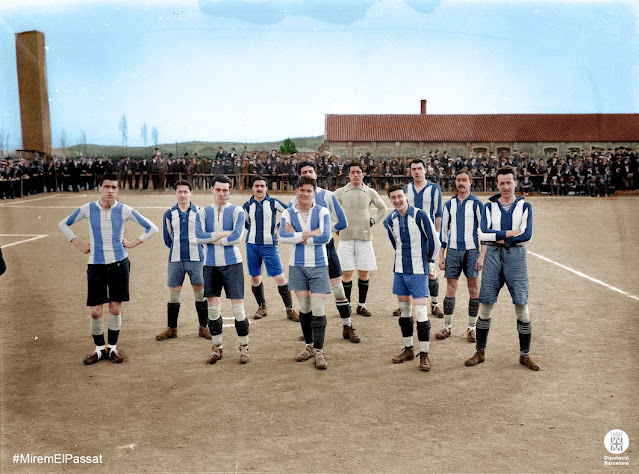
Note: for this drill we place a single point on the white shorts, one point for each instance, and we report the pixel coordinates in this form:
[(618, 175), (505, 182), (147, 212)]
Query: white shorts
[(356, 255)]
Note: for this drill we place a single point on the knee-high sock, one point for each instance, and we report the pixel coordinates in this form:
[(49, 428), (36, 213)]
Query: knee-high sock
[(215, 325), (172, 313), (483, 325), (241, 323), (318, 322), (406, 323), (258, 292), (198, 294), (202, 310), (523, 328), (318, 327), (449, 308), (348, 287), (114, 324), (305, 322), (423, 327), (433, 289), (97, 331), (473, 309), (362, 286), (285, 293)]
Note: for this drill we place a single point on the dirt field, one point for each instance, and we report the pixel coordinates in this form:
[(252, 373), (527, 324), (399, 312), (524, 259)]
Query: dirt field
[(164, 409)]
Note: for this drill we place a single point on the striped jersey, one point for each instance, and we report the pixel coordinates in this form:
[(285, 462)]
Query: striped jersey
[(106, 229), (313, 254), (495, 221), (261, 220), (179, 234), (327, 199), (429, 199), (216, 219), (414, 239), (460, 223)]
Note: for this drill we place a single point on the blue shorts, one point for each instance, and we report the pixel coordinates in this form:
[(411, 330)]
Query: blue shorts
[(229, 277), (504, 265), (410, 284), (313, 279), (177, 270), (461, 260), (269, 254)]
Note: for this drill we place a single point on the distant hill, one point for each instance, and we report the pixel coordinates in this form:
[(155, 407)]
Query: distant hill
[(203, 149)]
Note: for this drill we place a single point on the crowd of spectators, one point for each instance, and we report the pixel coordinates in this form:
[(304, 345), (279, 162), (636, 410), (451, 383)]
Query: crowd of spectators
[(589, 173)]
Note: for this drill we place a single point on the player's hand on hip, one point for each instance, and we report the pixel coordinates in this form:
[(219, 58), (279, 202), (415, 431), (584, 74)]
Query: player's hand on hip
[(82, 246)]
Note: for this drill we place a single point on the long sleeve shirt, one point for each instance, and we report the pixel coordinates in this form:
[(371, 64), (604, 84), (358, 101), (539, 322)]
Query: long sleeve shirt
[(216, 219), (356, 202), (313, 253), (327, 199), (461, 223), (429, 199), (261, 220), (496, 220), (179, 234), (414, 239), (106, 229)]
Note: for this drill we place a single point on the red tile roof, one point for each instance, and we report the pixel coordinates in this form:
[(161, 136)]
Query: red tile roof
[(483, 128)]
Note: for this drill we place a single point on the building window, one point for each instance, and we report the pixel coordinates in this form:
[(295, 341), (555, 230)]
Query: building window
[(480, 149), (503, 149), (549, 150)]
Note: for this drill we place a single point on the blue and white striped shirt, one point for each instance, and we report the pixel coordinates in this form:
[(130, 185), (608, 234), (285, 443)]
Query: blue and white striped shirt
[(261, 220), (414, 239), (216, 219), (429, 199), (460, 224), (327, 199), (179, 234), (313, 254), (495, 221), (106, 229)]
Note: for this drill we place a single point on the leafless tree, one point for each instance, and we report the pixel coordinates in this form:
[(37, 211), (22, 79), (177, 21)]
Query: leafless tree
[(144, 133), (124, 129), (154, 136)]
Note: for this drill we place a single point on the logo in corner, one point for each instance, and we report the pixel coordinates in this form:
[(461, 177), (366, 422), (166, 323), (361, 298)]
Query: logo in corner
[(616, 441)]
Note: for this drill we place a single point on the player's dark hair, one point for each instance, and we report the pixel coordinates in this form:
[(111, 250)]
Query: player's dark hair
[(221, 178), (354, 164), (108, 176), (183, 182), (507, 170), (395, 187), (306, 180), (306, 163), (259, 177), (465, 171), (418, 161)]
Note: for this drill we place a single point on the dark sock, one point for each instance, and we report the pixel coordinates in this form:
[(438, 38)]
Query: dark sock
[(483, 326), (348, 287), (318, 326), (362, 286), (258, 291), (305, 322), (285, 293)]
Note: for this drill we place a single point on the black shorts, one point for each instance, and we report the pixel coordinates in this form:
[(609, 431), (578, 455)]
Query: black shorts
[(108, 283), (334, 267), (229, 277)]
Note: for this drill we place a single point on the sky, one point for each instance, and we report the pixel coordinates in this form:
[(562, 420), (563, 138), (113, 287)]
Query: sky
[(255, 70)]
